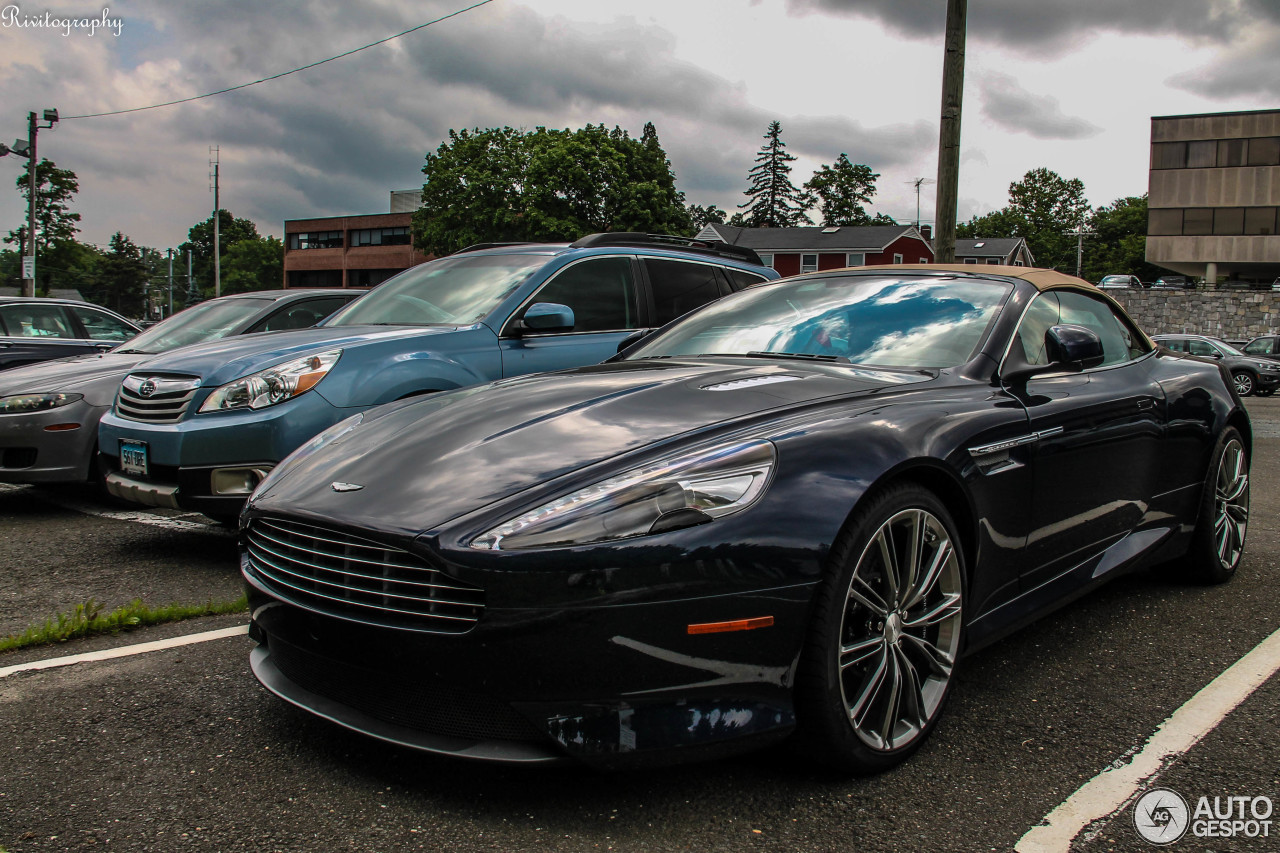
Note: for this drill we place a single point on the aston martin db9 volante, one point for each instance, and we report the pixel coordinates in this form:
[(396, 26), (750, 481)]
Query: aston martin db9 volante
[(788, 513)]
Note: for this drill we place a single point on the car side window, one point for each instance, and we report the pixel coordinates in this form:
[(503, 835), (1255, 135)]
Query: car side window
[(742, 279), (601, 292), (1203, 348), (1043, 314), (36, 321), (1120, 342), (302, 314), (1177, 345), (1262, 346), (102, 327), (679, 287)]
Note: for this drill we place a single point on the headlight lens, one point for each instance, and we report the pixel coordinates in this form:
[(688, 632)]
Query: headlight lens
[(330, 435), (274, 385), (36, 402), (668, 495)]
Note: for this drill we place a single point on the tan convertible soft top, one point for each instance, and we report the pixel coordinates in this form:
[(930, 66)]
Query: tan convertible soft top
[(1042, 279)]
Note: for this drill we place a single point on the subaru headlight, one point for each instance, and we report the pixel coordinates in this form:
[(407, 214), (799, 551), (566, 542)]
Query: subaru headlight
[(668, 495), (17, 403), (273, 385), (329, 436)]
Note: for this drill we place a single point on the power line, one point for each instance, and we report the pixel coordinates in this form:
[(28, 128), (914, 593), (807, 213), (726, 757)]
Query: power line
[(284, 73)]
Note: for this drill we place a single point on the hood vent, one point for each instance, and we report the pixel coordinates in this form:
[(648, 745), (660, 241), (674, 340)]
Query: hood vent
[(753, 382)]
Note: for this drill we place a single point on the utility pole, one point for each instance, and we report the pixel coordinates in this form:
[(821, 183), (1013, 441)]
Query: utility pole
[(1080, 233), (193, 295), (944, 220), (217, 217), (28, 150), (170, 282)]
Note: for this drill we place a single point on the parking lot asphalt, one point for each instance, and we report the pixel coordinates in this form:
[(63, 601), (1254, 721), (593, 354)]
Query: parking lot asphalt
[(181, 749)]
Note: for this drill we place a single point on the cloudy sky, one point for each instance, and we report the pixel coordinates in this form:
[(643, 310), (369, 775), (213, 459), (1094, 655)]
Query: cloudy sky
[(1069, 86)]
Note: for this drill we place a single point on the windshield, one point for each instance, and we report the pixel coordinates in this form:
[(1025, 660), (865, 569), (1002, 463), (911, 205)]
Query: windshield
[(1228, 348), (929, 322), (454, 291), (207, 321)]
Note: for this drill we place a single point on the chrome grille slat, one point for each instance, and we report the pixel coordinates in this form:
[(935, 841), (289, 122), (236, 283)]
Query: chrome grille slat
[(333, 572), (258, 547), (166, 405)]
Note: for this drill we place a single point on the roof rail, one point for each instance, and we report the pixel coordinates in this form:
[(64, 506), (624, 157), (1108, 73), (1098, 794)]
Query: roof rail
[(639, 239), (478, 246)]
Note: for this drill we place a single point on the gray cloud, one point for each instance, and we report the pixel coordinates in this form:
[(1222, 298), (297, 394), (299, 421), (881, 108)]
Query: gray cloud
[(1006, 103), (1038, 25)]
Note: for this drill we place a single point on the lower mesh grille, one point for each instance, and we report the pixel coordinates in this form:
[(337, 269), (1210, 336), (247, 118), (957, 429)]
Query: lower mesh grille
[(403, 699)]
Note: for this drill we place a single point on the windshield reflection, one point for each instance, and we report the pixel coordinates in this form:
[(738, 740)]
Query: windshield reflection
[(454, 291), (888, 322), (207, 321)]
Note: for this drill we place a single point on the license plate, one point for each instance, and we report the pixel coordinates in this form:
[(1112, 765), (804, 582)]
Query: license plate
[(133, 457)]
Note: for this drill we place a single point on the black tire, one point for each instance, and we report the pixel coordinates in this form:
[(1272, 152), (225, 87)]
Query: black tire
[(875, 674), (1264, 393), (1244, 383), (1222, 521)]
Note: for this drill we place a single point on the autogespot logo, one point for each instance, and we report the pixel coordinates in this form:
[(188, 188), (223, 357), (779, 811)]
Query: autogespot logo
[(1161, 816)]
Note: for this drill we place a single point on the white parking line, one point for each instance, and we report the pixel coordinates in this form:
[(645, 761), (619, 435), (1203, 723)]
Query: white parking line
[(125, 651), (138, 517), (1112, 790)]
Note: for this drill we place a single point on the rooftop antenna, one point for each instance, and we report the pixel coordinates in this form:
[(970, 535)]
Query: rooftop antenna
[(919, 182)]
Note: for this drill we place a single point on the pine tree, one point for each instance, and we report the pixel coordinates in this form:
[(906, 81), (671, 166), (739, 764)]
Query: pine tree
[(773, 201)]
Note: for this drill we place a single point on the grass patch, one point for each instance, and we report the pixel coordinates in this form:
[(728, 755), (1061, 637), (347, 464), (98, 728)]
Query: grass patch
[(88, 619)]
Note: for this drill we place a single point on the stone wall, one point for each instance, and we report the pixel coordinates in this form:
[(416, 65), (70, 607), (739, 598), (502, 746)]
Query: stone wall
[(1233, 315)]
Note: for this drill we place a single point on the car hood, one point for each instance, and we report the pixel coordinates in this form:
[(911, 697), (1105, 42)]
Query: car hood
[(221, 361), (426, 462), (74, 374)]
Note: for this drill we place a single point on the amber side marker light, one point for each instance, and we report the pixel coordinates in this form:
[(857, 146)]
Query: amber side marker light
[(61, 427), (735, 625)]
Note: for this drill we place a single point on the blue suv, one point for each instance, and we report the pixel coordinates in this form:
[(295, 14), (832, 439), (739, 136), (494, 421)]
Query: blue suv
[(199, 428)]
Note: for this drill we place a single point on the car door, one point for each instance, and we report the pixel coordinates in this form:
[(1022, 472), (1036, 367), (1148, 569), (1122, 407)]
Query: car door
[(1097, 438), (38, 332), (603, 294), (1263, 347)]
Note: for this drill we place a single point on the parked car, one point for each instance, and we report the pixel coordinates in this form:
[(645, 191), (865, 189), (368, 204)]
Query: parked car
[(49, 412), (37, 329), (1175, 282), (1117, 282), (791, 511), (1251, 375), (200, 428), (1264, 346)]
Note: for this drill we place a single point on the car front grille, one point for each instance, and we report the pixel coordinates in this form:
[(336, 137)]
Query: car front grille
[(155, 399), (333, 572)]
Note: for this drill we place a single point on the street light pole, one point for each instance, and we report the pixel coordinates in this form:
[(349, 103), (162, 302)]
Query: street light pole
[(29, 284)]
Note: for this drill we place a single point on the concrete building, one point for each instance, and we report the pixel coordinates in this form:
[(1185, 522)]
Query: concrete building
[(1214, 196), (352, 251)]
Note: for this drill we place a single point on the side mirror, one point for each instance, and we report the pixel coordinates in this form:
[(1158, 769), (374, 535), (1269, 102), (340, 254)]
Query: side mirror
[(548, 317), (1070, 349)]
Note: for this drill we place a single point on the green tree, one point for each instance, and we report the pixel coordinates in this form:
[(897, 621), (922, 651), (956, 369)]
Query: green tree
[(1051, 206), (704, 216), (231, 230), (1119, 245), (253, 264), (773, 201), (121, 278), (502, 184), (55, 189), (841, 190), (1004, 222)]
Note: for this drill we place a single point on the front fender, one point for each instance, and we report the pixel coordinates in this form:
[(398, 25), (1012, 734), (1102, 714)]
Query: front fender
[(370, 378)]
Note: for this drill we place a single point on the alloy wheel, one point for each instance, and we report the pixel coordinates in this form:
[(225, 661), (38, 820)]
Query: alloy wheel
[(1244, 383), (1231, 504), (900, 632)]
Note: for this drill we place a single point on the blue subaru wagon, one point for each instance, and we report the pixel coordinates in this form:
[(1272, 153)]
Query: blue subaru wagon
[(199, 428)]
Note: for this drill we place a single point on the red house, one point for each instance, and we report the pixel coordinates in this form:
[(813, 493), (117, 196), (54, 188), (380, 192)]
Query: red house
[(812, 248)]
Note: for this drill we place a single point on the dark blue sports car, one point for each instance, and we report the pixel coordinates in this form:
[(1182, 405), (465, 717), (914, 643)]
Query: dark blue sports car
[(788, 513)]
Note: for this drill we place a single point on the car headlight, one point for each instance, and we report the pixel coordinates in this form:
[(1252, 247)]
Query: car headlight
[(36, 402), (329, 436), (1267, 365), (668, 495), (274, 385)]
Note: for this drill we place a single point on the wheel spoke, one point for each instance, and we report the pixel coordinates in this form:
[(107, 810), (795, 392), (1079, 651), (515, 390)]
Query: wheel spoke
[(940, 663), (890, 559), (893, 701), (912, 690), (915, 556), (856, 653), (947, 608), (926, 582), (870, 687), (868, 598)]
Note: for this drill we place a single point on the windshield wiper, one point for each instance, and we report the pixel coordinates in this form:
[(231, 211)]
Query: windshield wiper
[(134, 352), (804, 356)]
